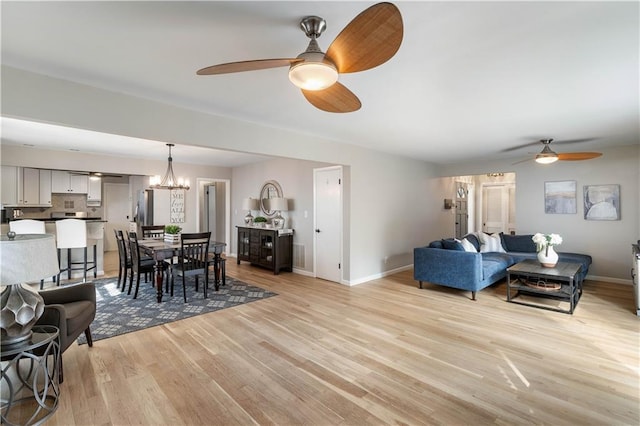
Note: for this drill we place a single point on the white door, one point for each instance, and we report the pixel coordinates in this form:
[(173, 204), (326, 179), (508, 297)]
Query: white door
[(498, 208), (328, 223), (117, 208)]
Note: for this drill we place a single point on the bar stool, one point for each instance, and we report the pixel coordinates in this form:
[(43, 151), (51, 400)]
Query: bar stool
[(72, 234), (28, 226)]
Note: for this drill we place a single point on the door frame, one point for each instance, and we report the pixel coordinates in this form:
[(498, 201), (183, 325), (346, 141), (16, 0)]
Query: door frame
[(340, 224), (506, 185), (200, 184)]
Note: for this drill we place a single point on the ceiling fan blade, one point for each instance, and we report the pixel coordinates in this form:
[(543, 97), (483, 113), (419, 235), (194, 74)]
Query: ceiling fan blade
[(578, 156), (369, 40), (259, 64), (336, 98), (513, 148)]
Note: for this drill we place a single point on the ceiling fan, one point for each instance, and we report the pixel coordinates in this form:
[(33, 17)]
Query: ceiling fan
[(369, 40), (548, 156)]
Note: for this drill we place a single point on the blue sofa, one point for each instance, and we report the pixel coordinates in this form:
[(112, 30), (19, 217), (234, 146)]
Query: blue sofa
[(445, 262)]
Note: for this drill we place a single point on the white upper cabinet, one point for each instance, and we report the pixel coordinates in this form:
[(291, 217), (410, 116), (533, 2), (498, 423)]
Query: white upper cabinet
[(9, 195), (94, 195), (67, 183), (25, 186)]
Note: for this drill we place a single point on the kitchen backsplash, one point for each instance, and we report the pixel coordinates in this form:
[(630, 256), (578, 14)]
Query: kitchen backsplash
[(67, 203)]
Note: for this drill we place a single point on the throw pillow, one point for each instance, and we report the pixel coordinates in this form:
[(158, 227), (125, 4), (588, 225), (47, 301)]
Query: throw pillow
[(468, 246), (491, 243), (519, 243), (452, 244)]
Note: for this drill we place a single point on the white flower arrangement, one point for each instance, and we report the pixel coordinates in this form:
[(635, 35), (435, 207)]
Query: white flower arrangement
[(543, 241)]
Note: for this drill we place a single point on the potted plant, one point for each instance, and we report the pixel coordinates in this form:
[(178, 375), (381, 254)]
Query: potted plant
[(260, 221), (172, 234)]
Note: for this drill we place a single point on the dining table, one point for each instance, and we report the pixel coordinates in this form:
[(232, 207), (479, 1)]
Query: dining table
[(160, 250)]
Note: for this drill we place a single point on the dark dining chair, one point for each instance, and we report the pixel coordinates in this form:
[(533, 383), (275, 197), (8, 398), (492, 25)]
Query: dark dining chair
[(72, 309), (193, 260), (153, 231), (139, 265), (124, 259)]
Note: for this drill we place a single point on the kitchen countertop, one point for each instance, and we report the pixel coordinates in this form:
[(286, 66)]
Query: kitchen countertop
[(54, 219)]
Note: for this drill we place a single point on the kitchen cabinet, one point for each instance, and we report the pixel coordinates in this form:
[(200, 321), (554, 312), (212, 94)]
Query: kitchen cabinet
[(94, 193), (9, 185), (45, 187), (63, 182), (269, 248), (25, 186)]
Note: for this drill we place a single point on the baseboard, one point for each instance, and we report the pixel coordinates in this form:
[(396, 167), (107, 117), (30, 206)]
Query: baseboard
[(377, 276), (303, 272), (609, 279)]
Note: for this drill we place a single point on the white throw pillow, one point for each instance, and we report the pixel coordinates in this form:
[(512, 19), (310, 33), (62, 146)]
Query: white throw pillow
[(466, 244), (491, 243)]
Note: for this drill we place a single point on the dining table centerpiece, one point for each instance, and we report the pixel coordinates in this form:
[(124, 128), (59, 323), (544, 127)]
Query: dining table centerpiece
[(172, 234), (546, 254)]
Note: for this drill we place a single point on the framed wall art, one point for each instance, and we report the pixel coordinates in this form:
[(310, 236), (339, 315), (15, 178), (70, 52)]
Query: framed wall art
[(602, 202), (176, 203), (560, 197)]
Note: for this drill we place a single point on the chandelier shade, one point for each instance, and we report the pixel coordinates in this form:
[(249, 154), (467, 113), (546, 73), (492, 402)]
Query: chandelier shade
[(169, 181)]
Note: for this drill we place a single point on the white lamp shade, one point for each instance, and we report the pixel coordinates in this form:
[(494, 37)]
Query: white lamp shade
[(27, 258), (250, 204), (278, 204)]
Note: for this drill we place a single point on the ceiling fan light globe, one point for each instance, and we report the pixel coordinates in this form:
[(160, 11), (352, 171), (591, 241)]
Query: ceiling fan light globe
[(313, 75), (546, 158)]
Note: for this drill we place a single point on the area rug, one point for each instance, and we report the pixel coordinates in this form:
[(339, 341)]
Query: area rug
[(118, 313)]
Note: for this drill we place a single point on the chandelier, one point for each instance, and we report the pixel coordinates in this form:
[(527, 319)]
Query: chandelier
[(169, 180)]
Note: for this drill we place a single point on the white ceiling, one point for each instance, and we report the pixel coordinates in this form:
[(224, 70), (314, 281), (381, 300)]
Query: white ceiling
[(470, 80)]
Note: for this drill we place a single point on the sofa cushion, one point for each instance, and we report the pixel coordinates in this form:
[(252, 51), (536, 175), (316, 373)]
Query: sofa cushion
[(436, 244), (473, 239), (491, 243), (518, 243), (468, 246), (452, 244)]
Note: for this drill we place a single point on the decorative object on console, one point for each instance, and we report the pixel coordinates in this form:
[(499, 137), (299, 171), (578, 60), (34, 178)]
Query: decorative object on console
[(169, 180), (270, 189), (546, 254), (279, 205), (249, 204), (25, 258), (172, 234), (260, 221)]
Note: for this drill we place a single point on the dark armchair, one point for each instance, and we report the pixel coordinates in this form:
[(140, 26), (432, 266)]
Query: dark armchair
[(72, 309)]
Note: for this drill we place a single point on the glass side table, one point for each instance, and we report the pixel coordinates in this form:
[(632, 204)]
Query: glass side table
[(29, 385)]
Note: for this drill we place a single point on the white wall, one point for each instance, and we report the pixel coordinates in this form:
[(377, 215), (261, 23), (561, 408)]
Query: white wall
[(390, 205), (608, 242)]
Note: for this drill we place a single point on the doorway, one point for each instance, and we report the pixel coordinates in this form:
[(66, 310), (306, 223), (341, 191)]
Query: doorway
[(498, 208), (327, 240), (213, 209), (117, 208)]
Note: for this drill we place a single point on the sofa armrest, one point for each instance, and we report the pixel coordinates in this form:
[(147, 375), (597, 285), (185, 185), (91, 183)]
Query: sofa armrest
[(452, 268)]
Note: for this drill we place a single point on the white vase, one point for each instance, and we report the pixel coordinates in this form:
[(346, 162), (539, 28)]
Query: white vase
[(548, 257)]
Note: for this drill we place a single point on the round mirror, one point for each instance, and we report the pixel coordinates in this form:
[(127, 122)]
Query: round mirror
[(270, 189)]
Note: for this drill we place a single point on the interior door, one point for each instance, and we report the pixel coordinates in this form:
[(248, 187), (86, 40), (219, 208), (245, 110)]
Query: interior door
[(498, 208), (116, 212), (328, 223), (462, 210)]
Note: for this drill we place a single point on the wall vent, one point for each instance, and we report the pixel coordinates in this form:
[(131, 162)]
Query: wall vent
[(298, 256)]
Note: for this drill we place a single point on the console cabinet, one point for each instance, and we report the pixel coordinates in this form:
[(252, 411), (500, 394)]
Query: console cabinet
[(269, 248)]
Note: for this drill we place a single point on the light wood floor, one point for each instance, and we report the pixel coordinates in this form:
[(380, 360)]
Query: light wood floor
[(383, 352)]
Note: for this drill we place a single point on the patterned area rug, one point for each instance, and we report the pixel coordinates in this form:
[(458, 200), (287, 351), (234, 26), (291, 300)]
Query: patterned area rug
[(118, 313)]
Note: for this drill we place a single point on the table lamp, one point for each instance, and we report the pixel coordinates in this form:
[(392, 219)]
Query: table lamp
[(249, 204), (23, 258), (278, 205)]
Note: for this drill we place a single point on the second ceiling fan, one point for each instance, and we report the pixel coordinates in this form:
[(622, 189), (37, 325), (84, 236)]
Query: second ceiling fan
[(369, 40), (548, 156)]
